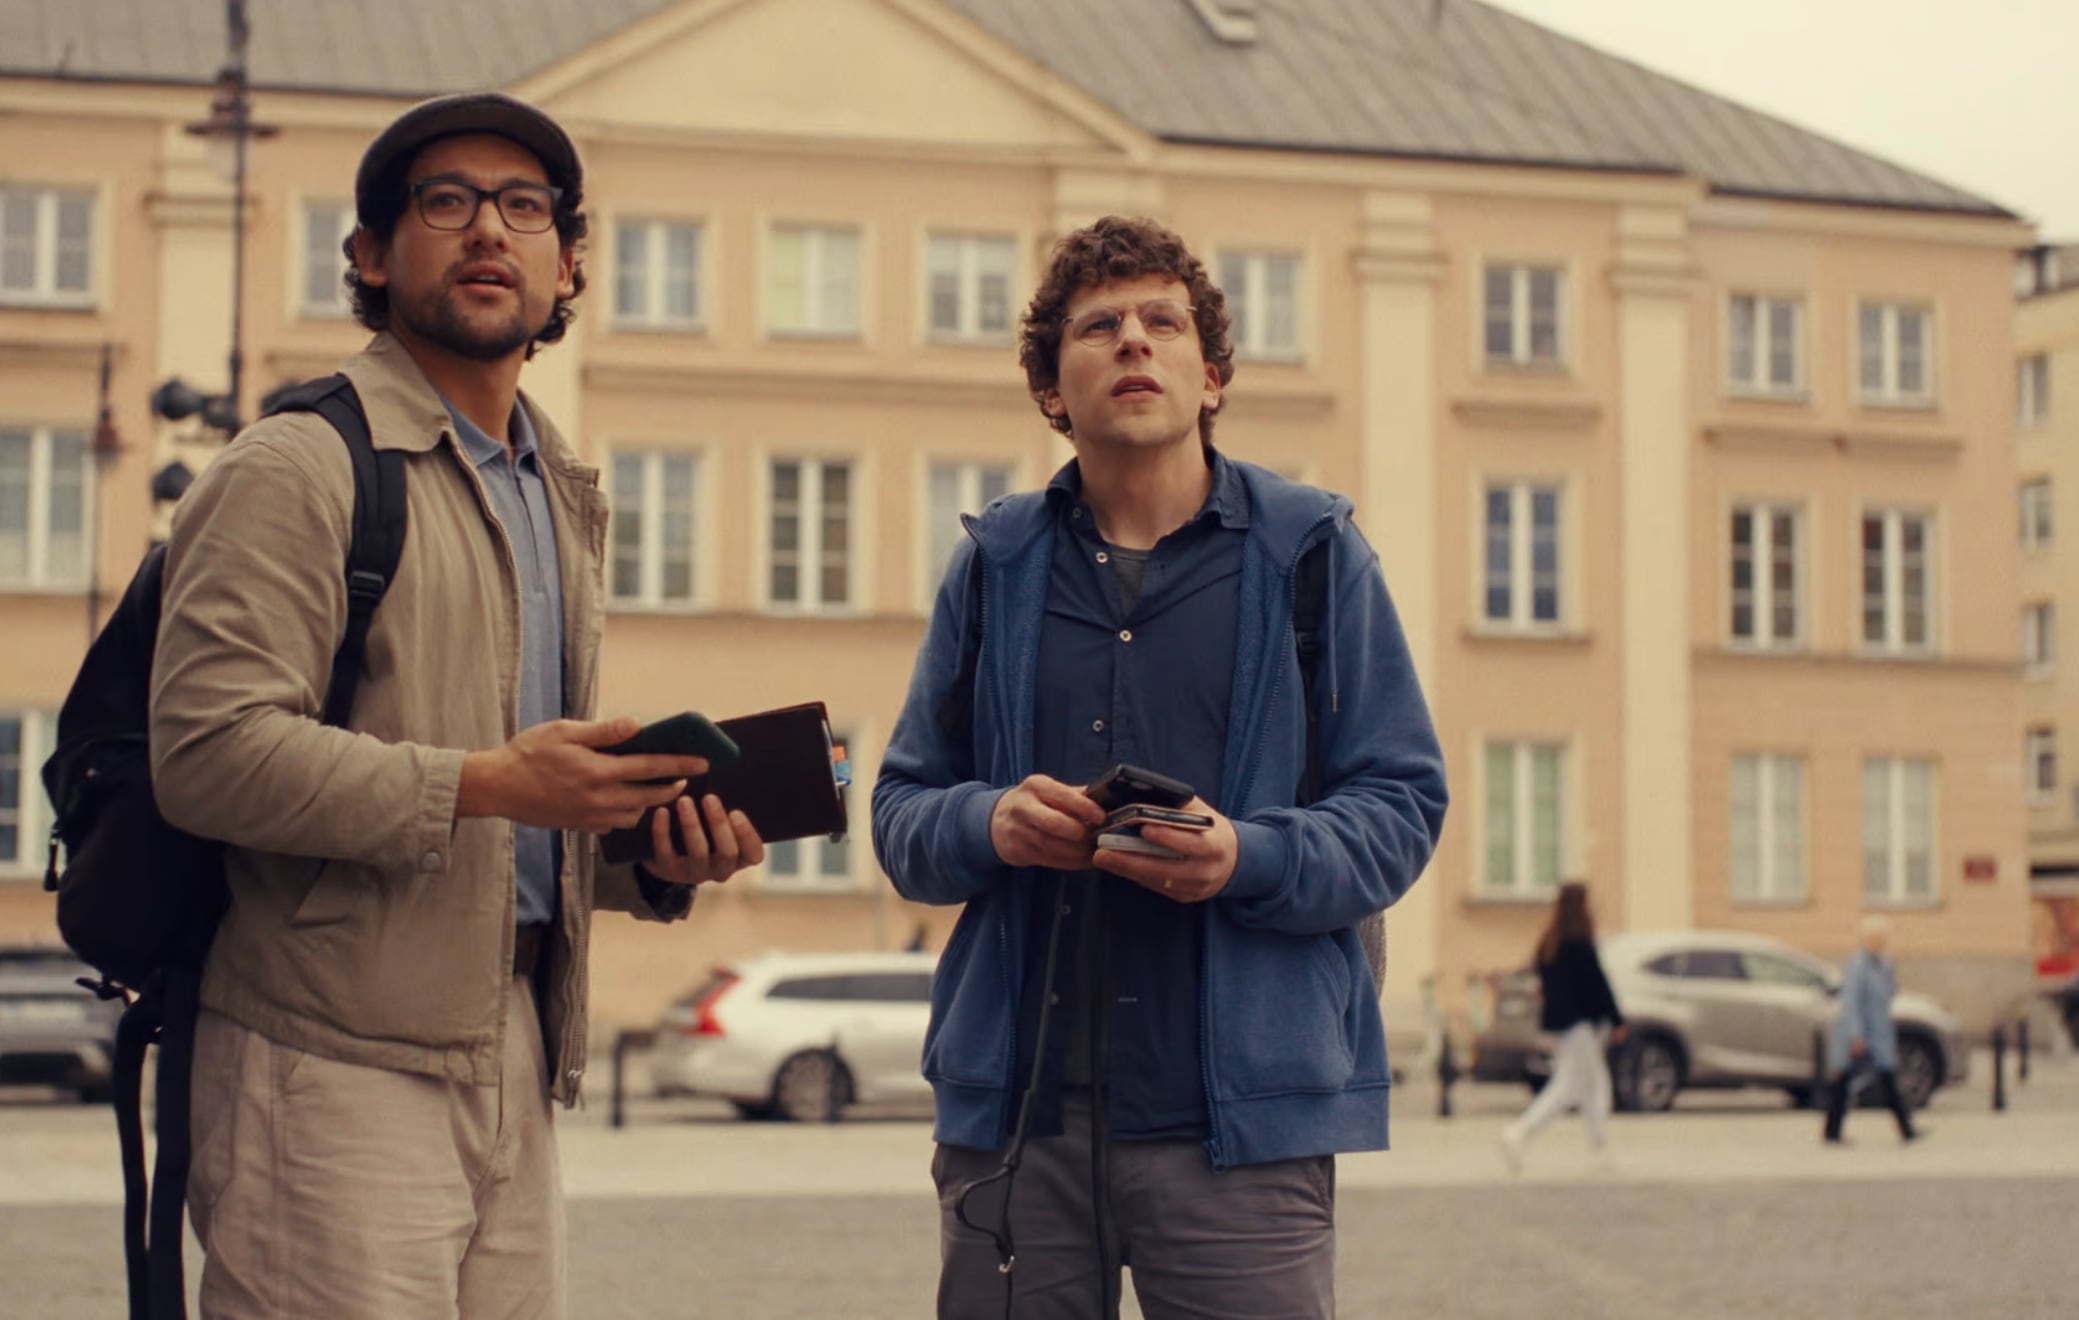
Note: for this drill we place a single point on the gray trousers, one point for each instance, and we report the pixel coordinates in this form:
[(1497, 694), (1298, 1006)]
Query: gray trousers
[(1254, 1243)]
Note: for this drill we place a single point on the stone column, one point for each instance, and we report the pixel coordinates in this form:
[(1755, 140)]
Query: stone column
[(1398, 269)]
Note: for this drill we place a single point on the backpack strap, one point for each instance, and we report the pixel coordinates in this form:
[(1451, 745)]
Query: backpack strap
[(378, 531), (1309, 596)]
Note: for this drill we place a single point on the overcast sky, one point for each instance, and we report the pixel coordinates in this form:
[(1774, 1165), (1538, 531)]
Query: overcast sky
[(1982, 94)]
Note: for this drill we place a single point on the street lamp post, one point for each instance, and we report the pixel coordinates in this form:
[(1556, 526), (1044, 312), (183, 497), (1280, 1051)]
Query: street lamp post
[(229, 128)]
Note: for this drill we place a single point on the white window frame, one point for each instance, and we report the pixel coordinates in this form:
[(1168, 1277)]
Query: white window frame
[(1251, 340), (1770, 884), (1888, 393), (44, 292), (810, 553), (2039, 765), (339, 304), (650, 594), (1762, 515), (38, 576), (1520, 356), (2039, 638), (1522, 882), (808, 876), (1890, 774), (1894, 642), (2038, 515), (1522, 581), (817, 319), (1762, 383), (969, 247), (30, 813), (2032, 397), (655, 272), (968, 495)]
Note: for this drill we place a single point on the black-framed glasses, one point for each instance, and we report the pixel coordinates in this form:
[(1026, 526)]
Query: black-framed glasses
[(526, 208), (1160, 318)]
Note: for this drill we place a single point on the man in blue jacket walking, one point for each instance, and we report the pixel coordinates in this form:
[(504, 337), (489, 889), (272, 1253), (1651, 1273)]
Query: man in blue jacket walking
[(1139, 1060)]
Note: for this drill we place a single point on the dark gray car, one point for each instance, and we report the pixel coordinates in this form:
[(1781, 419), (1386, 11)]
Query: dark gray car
[(52, 1031), (1716, 1009)]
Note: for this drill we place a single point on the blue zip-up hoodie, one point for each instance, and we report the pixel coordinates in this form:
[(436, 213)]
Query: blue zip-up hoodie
[(1292, 1042)]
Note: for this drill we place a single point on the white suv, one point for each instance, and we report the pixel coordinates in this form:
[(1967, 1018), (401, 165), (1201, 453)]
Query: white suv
[(800, 1035)]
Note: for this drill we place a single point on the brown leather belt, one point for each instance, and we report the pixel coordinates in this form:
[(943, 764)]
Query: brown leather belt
[(527, 942)]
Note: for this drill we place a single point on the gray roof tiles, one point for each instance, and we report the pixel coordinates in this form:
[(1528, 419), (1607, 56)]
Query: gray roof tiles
[(1378, 77)]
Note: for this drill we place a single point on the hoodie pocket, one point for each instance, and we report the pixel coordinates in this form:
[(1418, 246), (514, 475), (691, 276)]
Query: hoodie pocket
[(1285, 1016)]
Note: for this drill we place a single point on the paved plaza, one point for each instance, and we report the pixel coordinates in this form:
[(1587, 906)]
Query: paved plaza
[(1727, 1207)]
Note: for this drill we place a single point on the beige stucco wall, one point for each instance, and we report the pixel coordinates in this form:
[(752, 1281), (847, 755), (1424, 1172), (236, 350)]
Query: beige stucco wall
[(1390, 401)]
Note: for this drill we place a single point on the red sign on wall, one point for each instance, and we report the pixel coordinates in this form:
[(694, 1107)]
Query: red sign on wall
[(1981, 868)]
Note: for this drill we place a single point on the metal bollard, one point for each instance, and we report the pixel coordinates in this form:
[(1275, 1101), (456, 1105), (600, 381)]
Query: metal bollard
[(618, 1114), (1447, 1073), (1819, 1096), (1999, 1068), (2021, 1050)]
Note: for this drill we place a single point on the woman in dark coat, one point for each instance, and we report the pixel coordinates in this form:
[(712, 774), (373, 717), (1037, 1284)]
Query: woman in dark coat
[(1580, 1010)]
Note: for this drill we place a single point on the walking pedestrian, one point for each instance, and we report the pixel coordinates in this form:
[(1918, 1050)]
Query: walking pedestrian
[(1578, 1007), (1864, 1037)]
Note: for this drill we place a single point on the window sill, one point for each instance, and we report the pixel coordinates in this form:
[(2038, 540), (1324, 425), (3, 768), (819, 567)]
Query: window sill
[(13, 302), (1901, 904), (697, 328), (1794, 650), (1526, 368), (1487, 898), (1879, 403), (2039, 674), (46, 589), (1772, 904), (948, 339), (668, 609), (1796, 397), (1536, 634), (1915, 655), (782, 335), (1276, 357), (783, 610), (325, 315), (790, 886)]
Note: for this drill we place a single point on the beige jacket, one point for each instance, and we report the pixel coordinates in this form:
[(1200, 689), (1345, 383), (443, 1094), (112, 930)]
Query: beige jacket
[(367, 923)]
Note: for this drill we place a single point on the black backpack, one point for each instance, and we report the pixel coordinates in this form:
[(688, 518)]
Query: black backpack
[(139, 899), (955, 716)]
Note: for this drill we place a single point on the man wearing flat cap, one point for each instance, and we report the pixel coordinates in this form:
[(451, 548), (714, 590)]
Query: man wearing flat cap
[(396, 998)]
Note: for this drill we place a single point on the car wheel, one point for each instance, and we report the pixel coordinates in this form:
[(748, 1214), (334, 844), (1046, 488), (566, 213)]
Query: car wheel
[(810, 1088), (96, 1094), (1920, 1071), (1649, 1075), (751, 1113)]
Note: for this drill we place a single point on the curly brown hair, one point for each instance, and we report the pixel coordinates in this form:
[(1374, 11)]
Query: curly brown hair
[(1115, 249), (371, 302)]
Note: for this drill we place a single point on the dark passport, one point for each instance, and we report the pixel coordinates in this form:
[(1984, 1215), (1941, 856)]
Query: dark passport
[(782, 780)]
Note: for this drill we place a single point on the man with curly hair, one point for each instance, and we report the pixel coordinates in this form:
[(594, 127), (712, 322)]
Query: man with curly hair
[(396, 996), (1152, 1059)]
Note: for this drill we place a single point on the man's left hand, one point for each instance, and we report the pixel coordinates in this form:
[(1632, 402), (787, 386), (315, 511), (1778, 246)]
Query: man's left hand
[(1204, 869), (736, 846)]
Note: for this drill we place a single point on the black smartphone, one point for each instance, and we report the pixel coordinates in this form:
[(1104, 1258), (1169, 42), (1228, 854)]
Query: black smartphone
[(685, 734), (1124, 785)]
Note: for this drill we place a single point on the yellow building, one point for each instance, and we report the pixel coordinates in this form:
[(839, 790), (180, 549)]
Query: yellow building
[(2046, 384), (1683, 433)]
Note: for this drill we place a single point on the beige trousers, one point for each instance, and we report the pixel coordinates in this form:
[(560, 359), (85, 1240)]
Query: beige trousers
[(333, 1191)]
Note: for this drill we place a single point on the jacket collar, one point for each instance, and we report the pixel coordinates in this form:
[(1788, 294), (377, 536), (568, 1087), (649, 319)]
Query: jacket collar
[(405, 411)]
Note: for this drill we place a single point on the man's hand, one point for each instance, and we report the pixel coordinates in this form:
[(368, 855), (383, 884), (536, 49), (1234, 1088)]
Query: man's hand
[(553, 776), (1856, 1049), (736, 845), (1044, 822), (1204, 869)]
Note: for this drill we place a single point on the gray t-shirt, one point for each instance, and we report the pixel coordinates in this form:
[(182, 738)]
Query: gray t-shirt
[(520, 501)]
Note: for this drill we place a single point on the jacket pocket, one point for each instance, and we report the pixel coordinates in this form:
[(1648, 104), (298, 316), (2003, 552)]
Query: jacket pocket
[(326, 899), (971, 1022), (1285, 1016)]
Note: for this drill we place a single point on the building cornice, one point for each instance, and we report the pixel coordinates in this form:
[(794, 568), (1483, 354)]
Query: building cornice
[(1898, 444)]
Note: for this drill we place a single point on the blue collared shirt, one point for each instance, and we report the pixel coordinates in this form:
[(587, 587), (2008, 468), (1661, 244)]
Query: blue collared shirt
[(519, 498), (1145, 678)]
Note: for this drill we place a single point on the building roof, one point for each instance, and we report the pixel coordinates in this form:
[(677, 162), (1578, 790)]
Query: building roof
[(1376, 77)]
